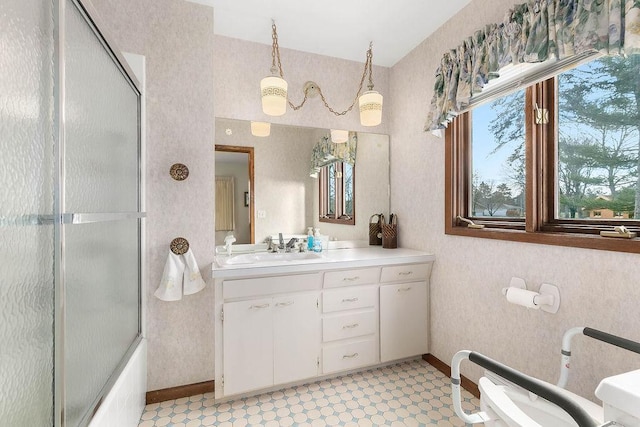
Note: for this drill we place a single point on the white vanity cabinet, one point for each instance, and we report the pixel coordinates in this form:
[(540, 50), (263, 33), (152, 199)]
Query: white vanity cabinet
[(248, 345), (270, 341), (404, 311), (296, 337), (287, 325), (270, 330)]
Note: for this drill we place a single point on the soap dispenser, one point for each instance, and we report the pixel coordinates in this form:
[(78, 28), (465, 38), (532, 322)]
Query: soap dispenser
[(317, 241), (310, 238)]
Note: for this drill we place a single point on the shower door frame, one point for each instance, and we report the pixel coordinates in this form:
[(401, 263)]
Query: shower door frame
[(61, 218)]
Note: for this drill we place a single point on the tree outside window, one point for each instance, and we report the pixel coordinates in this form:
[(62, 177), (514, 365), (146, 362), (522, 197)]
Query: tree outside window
[(578, 173)]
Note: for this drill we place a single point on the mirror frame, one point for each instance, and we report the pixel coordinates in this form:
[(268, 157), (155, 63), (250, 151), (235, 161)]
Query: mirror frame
[(249, 151)]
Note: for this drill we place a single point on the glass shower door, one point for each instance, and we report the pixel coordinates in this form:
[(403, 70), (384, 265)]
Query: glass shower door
[(26, 213), (100, 231), (70, 220)]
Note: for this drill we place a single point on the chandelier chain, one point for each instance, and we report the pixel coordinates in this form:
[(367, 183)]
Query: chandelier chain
[(275, 56), (275, 51)]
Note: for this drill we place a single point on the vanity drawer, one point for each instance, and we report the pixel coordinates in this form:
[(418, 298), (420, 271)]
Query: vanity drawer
[(243, 288), (348, 326), (338, 279), (348, 299), (348, 356), (408, 272)]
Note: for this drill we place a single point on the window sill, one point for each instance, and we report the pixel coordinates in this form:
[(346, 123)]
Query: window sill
[(351, 221), (585, 241)]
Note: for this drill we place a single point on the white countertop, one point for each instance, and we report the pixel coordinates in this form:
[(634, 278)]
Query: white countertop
[(333, 259)]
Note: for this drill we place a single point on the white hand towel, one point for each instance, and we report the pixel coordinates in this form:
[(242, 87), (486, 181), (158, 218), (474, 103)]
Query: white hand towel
[(170, 288), (192, 279)]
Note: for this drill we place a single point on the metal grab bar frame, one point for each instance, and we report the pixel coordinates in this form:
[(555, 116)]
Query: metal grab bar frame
[(565, 361), (534, 385)]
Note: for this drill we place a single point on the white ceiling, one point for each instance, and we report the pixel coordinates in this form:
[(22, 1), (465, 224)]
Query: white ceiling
[(337, 28)]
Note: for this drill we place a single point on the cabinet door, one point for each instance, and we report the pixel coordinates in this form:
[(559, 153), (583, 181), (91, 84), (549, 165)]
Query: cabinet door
[(296, 331), (403, 320), (248, 345)]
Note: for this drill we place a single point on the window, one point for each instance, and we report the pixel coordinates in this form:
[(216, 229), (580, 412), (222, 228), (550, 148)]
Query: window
[(554, 163), (337, 195), (497, 177)]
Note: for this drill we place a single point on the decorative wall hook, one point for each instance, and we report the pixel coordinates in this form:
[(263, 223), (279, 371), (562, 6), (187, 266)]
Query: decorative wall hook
[(179, 172), (179, 245)]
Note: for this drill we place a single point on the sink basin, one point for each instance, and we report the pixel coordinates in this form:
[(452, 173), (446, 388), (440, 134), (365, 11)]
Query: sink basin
[(268, 258)]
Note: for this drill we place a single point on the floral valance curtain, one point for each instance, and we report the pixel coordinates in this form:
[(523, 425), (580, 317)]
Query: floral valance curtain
[(326, 152), (536, 31)]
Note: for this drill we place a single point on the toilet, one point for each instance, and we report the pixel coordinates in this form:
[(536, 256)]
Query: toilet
[(620, 396)]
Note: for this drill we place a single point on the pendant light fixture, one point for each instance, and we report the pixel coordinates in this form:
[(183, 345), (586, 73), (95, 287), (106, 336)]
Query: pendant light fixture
[(274, 95), (274, 88), (339, 136), (260, 128)]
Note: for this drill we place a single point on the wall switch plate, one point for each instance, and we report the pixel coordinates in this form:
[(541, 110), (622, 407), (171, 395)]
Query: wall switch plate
[(262, 214)]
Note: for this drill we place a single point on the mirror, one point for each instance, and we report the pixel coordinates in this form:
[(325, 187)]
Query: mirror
[(285, 199), (234, 190)]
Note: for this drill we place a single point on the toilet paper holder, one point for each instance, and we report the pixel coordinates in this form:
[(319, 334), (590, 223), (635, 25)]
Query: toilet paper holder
[(546, 299)]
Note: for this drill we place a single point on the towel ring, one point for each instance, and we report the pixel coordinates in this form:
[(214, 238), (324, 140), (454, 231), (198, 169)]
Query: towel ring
[(179, 172), (179, 245)]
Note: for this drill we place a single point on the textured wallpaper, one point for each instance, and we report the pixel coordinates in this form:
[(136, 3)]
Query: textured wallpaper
[(193, 75), (598, 288), (176, 37)]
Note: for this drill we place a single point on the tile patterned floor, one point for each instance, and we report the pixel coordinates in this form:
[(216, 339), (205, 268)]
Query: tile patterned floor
[(406, 394)]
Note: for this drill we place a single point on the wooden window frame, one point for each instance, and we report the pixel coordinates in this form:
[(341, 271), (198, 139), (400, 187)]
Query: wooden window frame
[(338, 217), (539, 225)]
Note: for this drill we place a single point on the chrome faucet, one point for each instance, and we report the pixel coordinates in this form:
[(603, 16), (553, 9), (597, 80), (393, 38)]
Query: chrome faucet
[(228, 241), (291, 244), (279, 245)]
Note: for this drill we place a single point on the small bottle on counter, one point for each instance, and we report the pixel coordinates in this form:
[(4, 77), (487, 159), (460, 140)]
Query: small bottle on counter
[(317, 241), (310, 238)]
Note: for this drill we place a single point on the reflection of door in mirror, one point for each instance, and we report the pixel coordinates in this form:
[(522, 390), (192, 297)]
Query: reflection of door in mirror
[(234, 181)]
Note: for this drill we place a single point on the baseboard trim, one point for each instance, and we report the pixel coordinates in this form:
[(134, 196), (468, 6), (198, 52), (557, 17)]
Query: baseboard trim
[(180, 391), (465, 382)]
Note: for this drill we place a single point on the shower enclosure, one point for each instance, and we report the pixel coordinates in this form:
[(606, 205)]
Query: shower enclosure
[(70, 217)]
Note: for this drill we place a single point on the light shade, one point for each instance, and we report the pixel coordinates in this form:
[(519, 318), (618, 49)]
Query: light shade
[(274, 95), (370, 108), (339, 136), (260, 128)]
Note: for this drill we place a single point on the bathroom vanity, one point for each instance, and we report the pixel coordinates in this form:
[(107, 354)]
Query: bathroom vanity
[(284, 322)]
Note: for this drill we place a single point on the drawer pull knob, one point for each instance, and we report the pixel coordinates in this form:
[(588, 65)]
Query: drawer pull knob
[(259, 306), (350, 300), (350, 279), (354, 325), (408, 288), (350, 356), (284, 304), (405, 273)]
